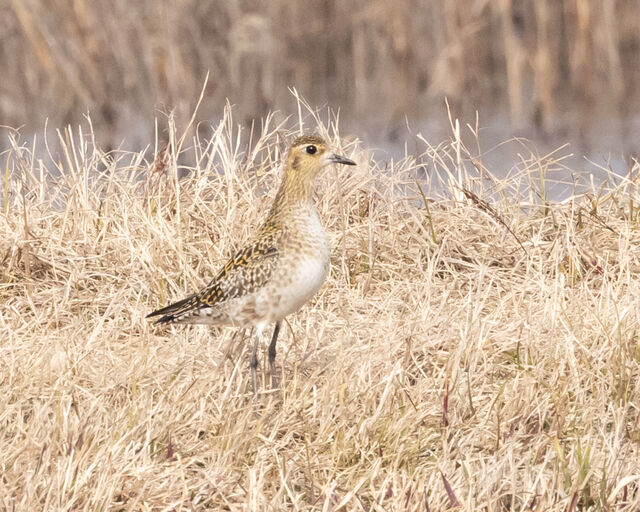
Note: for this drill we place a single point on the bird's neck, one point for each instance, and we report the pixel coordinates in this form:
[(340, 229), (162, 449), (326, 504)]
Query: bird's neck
[(293, 192)]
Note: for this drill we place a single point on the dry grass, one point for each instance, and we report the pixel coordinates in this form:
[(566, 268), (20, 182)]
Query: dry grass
[(474, 348)]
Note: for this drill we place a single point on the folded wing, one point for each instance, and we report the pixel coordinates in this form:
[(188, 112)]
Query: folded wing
[(249, 270)]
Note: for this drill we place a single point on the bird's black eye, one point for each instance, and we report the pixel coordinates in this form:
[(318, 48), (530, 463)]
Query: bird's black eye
[(311, 149)]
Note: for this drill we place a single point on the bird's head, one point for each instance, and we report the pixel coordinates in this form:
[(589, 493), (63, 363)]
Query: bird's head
[(309, 155)]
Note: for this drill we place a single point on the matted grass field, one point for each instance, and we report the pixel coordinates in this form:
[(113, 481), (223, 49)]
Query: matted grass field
[(475, 347)]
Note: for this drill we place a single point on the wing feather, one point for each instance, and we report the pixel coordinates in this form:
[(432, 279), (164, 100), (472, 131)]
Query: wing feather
[(249, 270)]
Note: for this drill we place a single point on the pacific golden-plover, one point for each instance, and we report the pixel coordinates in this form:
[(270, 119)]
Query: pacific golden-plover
[(280, 269)]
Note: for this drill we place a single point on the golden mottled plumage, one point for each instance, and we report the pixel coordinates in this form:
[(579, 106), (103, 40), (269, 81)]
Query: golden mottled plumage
[(281, 268)]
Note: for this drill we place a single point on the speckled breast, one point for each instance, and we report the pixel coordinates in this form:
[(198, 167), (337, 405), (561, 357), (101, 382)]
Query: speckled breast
[(303, 268)]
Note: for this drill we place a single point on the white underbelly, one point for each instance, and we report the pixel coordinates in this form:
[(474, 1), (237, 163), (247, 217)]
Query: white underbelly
[(302, 270), (306, 280), (299, 283)]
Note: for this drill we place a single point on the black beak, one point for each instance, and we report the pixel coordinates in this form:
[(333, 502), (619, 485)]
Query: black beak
[(341, 160)]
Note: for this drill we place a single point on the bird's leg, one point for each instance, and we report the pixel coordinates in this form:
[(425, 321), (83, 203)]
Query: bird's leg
[(254, 364), (272, 353)]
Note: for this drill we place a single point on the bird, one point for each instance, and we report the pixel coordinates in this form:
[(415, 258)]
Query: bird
[(280, 268)]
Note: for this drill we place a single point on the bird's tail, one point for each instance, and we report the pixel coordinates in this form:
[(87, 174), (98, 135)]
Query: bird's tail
[(176, 311)]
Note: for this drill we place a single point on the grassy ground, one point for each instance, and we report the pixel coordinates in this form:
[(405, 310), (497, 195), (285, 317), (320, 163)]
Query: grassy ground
[(477, 350)]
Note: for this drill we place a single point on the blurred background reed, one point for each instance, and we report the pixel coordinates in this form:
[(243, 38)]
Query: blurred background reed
[(547, 69)]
